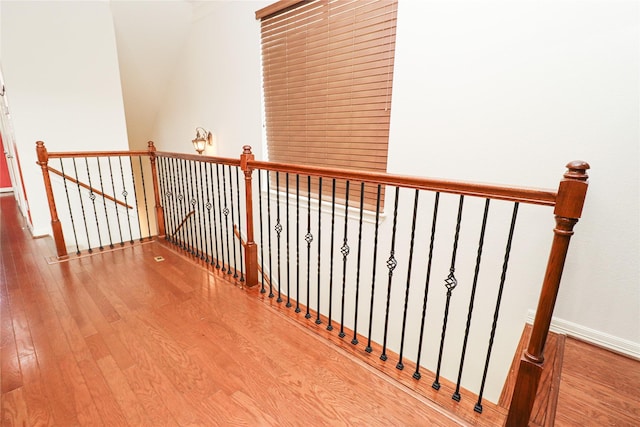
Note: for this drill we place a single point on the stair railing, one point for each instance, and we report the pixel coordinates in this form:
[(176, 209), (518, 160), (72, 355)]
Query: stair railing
[(199, 207)]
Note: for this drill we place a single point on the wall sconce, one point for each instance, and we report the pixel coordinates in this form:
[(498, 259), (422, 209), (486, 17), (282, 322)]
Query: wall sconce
[(202, 139)]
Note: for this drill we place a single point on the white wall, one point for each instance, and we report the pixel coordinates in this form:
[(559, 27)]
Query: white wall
[(61, 71), (509, 92), (217, 82)]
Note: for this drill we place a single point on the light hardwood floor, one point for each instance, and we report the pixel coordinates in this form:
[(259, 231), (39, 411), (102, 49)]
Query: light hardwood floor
[(120, 339)]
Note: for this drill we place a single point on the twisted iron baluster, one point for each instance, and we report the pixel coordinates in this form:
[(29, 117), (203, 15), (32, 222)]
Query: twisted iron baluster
[(104, 203), (144, 194), (84, 217), (278, 229), (195, 244), (456, 393), (503, 276), (220, 216), (233, 223), (333, 217), (93, 196), (73, 226), (271, 295), (125, 193), (204, 195), (262, 289), (298, 243), (400, 365), (450, 283), (344, 249), (202, 222), (354, 340), (135, 196), (163, 194), (182, 235), (287, 226), (239, 225), (215, 222), (391, 265), (113, 187), (373, 276), (417, 374), (309, 238), (318, 321)]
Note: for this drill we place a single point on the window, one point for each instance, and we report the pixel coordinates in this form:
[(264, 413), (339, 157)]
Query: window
[(328, 72)]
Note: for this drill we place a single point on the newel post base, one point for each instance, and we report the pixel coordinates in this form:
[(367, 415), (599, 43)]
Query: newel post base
[(156, 190), (251, 249), (56, 225), (568, 209)]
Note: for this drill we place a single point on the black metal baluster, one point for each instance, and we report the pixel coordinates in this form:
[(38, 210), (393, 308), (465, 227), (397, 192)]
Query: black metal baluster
[(104, 203), (503, 276), (278, 229), (271, 295), (93, 196), (84, 217), (215, 222), (287, 226), (144, 194), (164, 196), (456, 394), (417, 374), (220, 216), (195, 244), (202, 226), (184, 210), (233, 224), (66, 191), (400, 365), (309, 238), (373, 277), (344, 249), (204, 197), (333, 221), (135, 197), (225, 211), (239, 225), (354, 340), (113, 187), (177, 207), (297, 243), (391, 265), (318, 321), (262, 289), (125, 193), (450, 283)]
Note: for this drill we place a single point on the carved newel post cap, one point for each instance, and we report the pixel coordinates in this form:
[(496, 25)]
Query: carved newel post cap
[(577, 170), (246, 149), (151, 146)]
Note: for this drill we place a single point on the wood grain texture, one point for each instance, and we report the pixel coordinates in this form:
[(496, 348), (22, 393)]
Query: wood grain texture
[(118, 339)]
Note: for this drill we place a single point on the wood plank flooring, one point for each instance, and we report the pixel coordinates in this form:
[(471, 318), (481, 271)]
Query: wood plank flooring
[(117, 339)]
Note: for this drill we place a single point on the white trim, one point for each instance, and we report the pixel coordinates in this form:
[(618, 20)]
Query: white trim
[(601, 339)]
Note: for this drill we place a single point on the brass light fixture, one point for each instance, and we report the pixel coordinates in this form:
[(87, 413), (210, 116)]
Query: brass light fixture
[(202, 139)]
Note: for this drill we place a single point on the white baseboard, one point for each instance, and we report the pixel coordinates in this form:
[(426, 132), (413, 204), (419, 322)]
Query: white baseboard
[(601, 339), (40, 232)]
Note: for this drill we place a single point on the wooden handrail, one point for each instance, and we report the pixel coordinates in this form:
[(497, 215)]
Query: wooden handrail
[(94, 190), (510, 193), (76, 154), (200, 158), (182, 223)]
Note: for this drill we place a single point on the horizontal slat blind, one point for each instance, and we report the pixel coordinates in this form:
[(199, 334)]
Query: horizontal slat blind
[(328, 71)]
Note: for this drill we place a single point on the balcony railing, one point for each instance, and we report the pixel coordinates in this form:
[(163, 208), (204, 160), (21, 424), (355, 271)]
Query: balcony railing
[(419, 284)]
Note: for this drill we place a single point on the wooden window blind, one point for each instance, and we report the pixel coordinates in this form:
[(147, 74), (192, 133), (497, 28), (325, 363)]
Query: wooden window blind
[(327, 77)]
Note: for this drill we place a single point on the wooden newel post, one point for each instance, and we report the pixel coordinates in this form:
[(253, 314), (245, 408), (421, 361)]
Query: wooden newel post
[(156, 189), (251, 250), (568, 209), (56, 225)]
